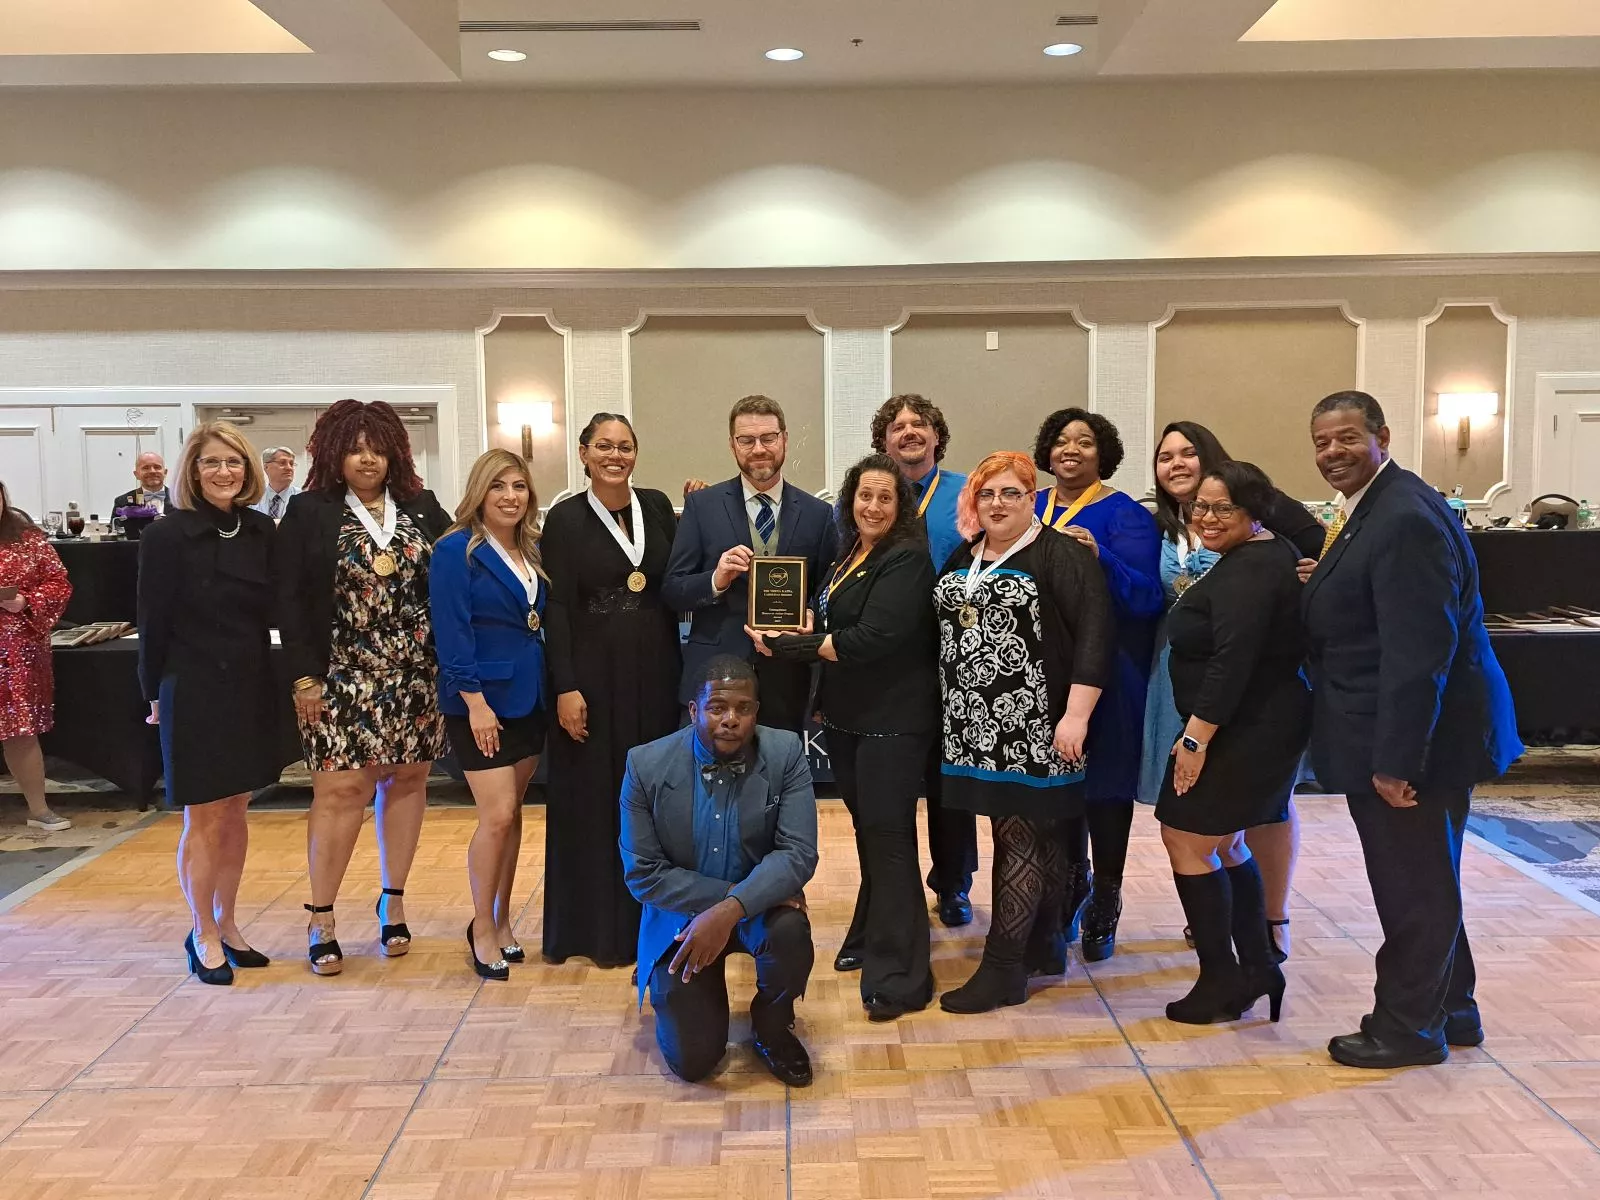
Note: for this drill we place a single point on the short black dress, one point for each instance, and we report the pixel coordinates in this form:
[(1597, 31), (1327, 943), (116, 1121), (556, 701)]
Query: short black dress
[(1238, 644)]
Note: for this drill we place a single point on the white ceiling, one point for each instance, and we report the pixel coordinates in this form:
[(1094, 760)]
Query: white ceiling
[(847, 43)]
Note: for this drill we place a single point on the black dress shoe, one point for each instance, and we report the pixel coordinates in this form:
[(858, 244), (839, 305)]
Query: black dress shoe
[(847, 962), (1364, 1050), (1463, 1033), (246, 957), (881, 1008), (955, 909), (786, 1058)]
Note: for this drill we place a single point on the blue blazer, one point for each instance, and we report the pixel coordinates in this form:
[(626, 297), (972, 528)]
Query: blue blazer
[(1404, 682), (777, 827), (480, 630), (715, 520)]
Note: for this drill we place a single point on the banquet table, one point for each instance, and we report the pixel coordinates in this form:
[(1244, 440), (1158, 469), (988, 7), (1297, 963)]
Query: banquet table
[(105, 580)]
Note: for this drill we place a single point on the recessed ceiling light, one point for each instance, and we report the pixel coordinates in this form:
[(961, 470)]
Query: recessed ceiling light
[(507, 55), (785, 54), (1063, 49)]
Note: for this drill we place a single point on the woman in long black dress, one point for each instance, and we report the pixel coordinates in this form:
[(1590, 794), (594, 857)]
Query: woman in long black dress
[(614, 663), (1237, 646), (205, 607)]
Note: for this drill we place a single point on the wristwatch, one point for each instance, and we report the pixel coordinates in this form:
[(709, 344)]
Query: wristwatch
[(1193, 746)]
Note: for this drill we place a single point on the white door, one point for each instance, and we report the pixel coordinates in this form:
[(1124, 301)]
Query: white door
[(1567, 453), (97, 447), (25, 438)]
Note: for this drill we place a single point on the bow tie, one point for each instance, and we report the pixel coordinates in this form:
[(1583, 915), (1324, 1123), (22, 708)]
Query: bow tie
[(734, 768)]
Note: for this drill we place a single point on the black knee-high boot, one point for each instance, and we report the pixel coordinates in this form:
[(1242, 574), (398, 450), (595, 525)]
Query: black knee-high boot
[(1262, 975), (1208, 904)]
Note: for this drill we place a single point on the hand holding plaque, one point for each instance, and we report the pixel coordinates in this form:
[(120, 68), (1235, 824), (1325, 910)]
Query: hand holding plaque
[(777, 595)]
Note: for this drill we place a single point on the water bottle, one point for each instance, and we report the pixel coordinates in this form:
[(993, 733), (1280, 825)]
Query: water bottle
[(1327, 512), (1585, 515), (1458, 505)]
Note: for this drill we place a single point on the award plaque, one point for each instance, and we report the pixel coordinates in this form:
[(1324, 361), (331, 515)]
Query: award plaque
[(778, 595)]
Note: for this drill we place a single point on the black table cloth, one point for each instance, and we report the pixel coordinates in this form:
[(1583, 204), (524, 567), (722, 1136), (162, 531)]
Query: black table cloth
[(1552, 678), (1527, 570), (105, 580)]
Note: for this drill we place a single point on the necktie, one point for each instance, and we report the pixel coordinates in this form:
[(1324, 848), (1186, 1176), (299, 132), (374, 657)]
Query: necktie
[(1333, 533), (766, 523), (732, 768), (275, 509)]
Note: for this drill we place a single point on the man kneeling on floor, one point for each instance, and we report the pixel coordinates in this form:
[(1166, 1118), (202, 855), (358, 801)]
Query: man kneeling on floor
[(719, 836)]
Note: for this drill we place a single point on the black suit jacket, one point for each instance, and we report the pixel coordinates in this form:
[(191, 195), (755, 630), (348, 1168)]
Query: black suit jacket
[(714, 521), (307, 547), (1404, 681)]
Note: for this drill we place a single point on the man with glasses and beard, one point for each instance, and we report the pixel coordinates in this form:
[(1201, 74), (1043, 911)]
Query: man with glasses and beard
[(724, 528)]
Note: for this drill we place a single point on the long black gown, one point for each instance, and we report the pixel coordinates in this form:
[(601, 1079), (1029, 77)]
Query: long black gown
[(620, 649)]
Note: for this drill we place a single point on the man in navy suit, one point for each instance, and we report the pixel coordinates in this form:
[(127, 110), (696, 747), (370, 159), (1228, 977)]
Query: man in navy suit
[(727, 526), (1411, 712), (719, 839)]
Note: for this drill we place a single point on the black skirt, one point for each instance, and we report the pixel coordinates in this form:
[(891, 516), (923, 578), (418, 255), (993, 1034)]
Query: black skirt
[(218, 733), (1248, 778), (520, 738)]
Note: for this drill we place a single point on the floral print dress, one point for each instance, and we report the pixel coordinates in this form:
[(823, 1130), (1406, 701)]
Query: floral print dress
[(381, 704)]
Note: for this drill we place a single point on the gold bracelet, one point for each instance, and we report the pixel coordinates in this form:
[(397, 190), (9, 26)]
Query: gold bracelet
[(306, 682)]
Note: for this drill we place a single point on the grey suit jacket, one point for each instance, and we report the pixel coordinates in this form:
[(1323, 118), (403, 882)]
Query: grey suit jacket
[(777, 827)]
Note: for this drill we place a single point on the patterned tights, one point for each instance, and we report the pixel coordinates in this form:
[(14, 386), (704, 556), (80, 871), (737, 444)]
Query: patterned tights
[(1029, 871)]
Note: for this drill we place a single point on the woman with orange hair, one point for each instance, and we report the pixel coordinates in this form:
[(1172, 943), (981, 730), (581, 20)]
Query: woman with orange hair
[(1025, 641), (352, 562)]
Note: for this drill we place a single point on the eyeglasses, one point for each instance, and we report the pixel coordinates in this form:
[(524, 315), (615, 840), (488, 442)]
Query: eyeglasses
[(216, 464), (1221, 510), (769, 441), (622, 448), (1006, 496)]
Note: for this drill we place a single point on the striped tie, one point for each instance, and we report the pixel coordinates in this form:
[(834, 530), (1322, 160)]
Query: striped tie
[(766, 523), (1333, 533), (275, 509)]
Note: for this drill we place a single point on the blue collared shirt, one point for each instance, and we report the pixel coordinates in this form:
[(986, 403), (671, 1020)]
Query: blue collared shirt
[(939, 519), (718, 851)]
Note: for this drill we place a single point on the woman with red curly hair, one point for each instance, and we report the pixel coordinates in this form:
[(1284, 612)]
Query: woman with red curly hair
[(1025, 641), (352, 561)]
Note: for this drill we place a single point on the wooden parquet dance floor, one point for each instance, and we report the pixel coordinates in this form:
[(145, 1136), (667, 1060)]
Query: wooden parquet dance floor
[(409, 1080)]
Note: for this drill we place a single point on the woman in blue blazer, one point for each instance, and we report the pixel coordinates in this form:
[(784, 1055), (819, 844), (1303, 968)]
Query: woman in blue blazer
[(487, 593)]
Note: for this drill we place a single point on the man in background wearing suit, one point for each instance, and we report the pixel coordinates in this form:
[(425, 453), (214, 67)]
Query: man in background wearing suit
[(727, 526), (278, 464), (719, 839), (911, 430), (150, 469), (1411, 712)]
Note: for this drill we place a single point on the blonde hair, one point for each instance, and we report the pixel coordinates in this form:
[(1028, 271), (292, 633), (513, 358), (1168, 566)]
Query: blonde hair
[(186, 492), (998, 463), (490, 466)]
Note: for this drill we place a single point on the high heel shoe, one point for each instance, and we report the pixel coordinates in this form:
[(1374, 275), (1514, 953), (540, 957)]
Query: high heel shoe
[(1268, 982), (393, 940), (513, 953), (1278, 952), (222, 975), (245, 957), (499, 969), (326, 957), (1101, 913)]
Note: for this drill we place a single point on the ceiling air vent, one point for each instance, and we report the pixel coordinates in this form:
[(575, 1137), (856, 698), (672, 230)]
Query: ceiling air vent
[(1075, 22), (580, 27)]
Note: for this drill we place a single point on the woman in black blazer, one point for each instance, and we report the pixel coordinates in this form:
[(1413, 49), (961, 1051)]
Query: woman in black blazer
[(205, 608), (879, 702), (352, 573)]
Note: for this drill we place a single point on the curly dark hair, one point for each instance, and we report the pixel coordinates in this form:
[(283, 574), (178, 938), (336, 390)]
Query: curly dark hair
[(334, 437), (1247, 484), (906, 522), (923, 407), (1106, 438), (1211, 455)]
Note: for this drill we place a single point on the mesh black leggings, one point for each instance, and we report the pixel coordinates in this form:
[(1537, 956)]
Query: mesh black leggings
[(1029, 874), (1104, 832)]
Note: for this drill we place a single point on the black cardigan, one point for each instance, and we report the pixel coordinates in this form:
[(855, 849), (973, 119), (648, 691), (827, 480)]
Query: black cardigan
[(886, 679), (307, 548)]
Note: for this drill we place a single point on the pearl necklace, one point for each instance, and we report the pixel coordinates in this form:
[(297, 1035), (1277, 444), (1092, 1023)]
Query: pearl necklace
[(238, 524)]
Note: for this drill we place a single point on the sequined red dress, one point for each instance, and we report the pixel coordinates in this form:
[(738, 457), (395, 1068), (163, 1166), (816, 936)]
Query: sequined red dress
[(27, 686)]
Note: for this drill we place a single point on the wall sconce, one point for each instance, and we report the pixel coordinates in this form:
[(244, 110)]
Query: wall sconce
[(531, 415), (1462, 408)]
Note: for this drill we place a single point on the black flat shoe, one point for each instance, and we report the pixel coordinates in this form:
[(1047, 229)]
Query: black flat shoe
[(245, 957), (847, 962), (326, 957), (992, 986), (513, 953), (1365, 1051), (881, 1008), (393, 940), (495, 970), (786, 1058), (955, 910), (222, 976)]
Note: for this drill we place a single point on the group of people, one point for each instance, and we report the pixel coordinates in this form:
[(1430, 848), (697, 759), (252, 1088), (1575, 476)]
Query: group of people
[(1043, 656)]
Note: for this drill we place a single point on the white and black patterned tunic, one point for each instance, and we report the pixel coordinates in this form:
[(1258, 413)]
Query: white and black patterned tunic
[(1043, 624)]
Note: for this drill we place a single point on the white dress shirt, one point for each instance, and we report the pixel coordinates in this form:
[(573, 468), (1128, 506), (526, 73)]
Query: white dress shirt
[(1350, 503), (773, 493)]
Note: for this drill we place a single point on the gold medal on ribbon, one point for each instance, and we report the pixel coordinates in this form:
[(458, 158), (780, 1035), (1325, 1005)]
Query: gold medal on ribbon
[(383, 564), (969, 616), (533, 620), (636, 581)]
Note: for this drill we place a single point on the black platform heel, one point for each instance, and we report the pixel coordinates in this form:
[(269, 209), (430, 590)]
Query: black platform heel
[(393, 940), (221, 976), (326, 957), (498, 969)]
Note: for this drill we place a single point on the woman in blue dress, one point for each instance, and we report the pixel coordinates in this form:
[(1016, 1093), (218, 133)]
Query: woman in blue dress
[(1081, 450), (1185, 453)]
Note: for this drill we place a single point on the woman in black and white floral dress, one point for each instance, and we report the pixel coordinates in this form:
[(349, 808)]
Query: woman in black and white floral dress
[(1025, 633)]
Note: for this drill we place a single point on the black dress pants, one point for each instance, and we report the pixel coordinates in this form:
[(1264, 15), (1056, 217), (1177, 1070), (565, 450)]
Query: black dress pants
[(1425, 972), (692, 1018), (878, 778), (952, 832)]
